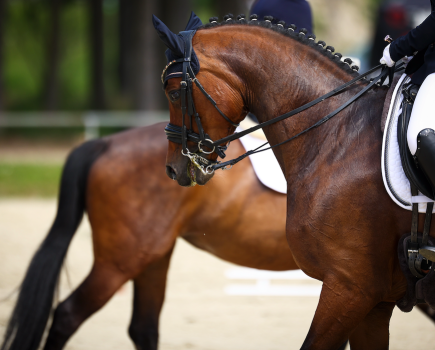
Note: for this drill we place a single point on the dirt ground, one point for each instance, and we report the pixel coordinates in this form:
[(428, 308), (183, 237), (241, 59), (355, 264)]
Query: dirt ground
[(197, 313)]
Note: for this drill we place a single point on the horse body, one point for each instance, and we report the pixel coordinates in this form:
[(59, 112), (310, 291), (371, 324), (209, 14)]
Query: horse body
[(126, 186), (136, 214), (342, 227)]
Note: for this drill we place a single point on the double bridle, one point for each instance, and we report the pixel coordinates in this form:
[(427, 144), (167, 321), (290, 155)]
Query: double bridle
[(181, 134)]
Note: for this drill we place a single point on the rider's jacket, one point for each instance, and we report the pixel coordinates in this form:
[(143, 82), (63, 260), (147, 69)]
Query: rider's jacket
[(421, 39), (296, 12)]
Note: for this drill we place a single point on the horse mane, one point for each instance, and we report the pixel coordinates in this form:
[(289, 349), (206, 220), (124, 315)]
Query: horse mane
[(288, 31)]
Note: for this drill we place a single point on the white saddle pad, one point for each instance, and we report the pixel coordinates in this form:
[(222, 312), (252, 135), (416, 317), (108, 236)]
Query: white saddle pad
[(395, 181), (265, 165)]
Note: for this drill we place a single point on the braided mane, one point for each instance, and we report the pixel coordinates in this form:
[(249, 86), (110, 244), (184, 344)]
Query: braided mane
[(288, 31)]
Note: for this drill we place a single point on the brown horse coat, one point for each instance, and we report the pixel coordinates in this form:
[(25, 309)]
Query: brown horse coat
[(342, 227), (136, 214)]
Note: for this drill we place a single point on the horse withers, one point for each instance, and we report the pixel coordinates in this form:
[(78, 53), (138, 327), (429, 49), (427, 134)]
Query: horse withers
[(342, 227)]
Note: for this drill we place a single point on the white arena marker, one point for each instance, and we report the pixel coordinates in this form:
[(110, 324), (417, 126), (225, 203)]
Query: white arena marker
[(293, 291), (244, 273), (263, 286)]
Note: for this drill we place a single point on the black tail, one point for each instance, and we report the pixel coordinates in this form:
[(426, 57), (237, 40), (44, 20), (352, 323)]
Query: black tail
[(30, 316)]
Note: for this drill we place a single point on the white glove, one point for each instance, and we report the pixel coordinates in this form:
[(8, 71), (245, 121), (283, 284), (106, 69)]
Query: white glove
[(386, 59)]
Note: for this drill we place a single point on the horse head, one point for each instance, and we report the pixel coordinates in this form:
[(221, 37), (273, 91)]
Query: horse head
[(199, 111)]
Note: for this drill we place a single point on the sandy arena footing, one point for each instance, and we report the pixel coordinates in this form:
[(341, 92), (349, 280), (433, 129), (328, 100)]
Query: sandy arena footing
[(198, 313)]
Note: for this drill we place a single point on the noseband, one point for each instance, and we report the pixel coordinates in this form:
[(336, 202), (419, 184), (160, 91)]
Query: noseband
[(181, 134)]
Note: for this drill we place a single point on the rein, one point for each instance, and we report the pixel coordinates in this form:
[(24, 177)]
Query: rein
[(182, 134)]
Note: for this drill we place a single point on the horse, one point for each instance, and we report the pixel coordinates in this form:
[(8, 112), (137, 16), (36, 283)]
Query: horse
[(342, 227), (136, 214)]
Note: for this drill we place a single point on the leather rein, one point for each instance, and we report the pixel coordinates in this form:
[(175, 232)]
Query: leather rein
[(181, 134)]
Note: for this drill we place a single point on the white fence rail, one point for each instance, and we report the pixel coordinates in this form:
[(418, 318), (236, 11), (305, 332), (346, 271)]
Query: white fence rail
[(90, 121)]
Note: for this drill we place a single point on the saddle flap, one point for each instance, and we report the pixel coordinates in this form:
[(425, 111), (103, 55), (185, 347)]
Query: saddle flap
[(415, 175)]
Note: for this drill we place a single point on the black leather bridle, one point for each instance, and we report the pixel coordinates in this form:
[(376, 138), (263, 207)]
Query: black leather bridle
[(181, 134)]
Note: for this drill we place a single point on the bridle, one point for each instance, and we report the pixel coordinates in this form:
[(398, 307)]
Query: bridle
[(181, 134)]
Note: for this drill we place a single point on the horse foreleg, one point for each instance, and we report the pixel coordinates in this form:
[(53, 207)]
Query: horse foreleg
[(149, 293), (373, 332), (98, 287), (340, 310)]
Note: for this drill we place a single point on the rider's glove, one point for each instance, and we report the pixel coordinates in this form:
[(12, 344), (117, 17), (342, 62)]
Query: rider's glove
[(386, 59)]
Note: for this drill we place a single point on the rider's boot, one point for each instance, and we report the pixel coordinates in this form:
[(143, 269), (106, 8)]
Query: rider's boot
[(425, 154)]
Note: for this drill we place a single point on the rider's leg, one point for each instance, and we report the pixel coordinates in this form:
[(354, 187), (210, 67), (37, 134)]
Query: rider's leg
[(421, 130), (423, 112)]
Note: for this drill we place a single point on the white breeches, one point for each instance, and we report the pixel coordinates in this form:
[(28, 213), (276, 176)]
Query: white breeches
[(423, 112)]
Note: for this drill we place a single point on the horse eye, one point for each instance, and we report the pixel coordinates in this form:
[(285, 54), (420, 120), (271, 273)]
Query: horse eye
[(174, 95)]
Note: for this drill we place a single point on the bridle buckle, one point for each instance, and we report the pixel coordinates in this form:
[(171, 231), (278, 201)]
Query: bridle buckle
[(202, 151)]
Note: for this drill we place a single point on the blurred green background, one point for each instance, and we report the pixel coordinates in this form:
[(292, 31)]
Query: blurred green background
[(52, 48), (76, 56)]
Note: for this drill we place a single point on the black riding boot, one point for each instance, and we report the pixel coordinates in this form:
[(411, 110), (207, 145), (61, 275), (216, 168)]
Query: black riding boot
[(425, 155)]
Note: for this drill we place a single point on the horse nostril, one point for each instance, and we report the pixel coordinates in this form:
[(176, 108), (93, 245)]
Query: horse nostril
[(171, 172)]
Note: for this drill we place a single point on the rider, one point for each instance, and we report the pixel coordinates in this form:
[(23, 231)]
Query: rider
[(421, 130), (296, 12)]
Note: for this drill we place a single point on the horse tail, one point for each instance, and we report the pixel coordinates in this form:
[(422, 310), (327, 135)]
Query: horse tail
[(35, 300)]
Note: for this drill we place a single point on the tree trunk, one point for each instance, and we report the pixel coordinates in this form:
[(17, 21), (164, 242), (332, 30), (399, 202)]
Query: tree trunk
[(97, 54), (124, 46), (2, 31), (141, 53), (144, 55), (51, 80)]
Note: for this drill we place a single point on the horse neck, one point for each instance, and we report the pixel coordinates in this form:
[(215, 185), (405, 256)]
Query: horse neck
[(285, 74)]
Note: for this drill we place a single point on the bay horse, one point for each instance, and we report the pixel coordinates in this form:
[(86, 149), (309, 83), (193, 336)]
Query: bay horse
[(136, 214), (342, 227)]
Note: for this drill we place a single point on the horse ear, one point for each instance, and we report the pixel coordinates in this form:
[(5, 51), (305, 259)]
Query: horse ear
[(171, 40), (194, 22)]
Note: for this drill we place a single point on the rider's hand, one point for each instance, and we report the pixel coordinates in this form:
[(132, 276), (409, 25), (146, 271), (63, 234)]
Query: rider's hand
[(386, 59)]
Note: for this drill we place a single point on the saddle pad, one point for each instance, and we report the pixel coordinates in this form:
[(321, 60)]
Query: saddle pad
[(395, 181), (265, 165)]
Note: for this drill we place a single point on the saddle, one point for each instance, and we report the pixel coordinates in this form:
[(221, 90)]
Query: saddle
[(416, 250)]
